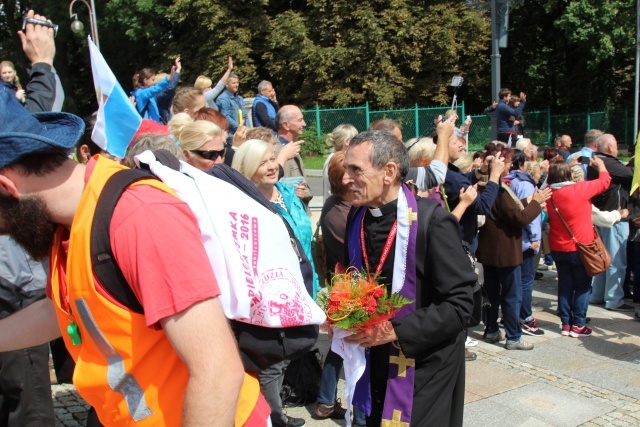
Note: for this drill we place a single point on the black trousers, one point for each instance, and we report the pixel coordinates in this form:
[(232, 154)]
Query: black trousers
[(504, 137), (25, 388)]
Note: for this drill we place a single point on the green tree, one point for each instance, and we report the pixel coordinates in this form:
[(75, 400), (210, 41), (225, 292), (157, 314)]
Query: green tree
[(572, 55), (207, 32), (390, 53)]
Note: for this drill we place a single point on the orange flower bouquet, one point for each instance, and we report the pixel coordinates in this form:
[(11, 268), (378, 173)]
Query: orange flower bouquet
[(355, 301)]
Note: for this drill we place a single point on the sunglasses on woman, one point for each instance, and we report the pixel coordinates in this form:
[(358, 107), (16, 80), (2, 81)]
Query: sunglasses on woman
[(210, 154)]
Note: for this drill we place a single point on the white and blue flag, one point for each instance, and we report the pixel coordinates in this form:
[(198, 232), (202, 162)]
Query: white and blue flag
[(118, 120)]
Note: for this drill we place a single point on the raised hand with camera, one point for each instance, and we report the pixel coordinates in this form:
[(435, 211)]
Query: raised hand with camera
[(37, 37)]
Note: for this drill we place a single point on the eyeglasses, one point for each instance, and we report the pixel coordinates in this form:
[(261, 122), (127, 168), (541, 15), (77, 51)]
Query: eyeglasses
[(210, 154)]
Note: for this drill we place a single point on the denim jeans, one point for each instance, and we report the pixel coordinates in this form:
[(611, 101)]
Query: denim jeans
[(635, 262), (574, 288), (607, 286), (328, 393), (527, 270), (271, 380), (504, 287)]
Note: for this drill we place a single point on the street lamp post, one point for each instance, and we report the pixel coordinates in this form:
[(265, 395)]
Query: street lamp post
[(77, 26), (499, 26)]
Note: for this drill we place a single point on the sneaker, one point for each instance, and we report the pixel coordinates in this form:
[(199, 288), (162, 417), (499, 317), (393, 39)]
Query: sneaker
[(323, 411), (501, 323), (545, 267), (583, 331), (531, 328), (637, 315), (522, 345), (470, 342), (494, 337), (566, 330), (623, 307), (295, 422), (538, 276)]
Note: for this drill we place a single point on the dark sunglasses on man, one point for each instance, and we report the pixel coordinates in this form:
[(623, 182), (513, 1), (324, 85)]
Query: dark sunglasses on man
[(210, 154)]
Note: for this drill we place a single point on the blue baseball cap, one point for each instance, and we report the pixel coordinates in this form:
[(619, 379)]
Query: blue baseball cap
[(22, 132)]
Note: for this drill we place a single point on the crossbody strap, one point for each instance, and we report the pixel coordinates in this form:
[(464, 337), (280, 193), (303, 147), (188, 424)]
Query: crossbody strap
[(445, 198), (564, 222)]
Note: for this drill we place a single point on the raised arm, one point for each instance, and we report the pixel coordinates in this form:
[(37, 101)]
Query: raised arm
[(226, 74), (515, 112), (212, 94), (174, 77), (484, 203), (38, 45), (466, 198), (434, 174), (517, 217), (444, 131)]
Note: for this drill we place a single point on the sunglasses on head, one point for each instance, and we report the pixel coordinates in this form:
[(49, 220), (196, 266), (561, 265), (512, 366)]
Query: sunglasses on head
[(210, 154)]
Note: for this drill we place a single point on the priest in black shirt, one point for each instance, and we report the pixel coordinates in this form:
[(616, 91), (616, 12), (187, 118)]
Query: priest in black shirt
[(425, 341)]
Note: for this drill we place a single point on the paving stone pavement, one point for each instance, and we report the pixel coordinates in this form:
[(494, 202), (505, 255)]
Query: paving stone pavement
[(564, 381)]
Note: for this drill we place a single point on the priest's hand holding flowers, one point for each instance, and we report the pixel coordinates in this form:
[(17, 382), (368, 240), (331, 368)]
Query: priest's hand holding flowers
[(356, 302)]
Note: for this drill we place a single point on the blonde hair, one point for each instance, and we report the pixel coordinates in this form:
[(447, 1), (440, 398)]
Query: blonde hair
[(464, 163), (249, 155), (194, 135), (202, 83), (577, 174), (420, 149), (184, 99), (340, 135), (16, 80), (531, 167), (177, 122)]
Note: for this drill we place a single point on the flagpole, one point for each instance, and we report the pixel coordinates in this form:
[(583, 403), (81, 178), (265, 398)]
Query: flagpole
[(636, 96)]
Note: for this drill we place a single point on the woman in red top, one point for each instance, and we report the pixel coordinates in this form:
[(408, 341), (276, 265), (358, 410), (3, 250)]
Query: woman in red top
[(572, 200)]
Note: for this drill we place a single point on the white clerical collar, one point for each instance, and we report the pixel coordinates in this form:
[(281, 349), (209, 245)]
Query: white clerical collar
[(376, 212)]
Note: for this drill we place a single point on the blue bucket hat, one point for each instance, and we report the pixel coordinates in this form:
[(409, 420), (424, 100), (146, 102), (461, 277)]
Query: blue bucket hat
[(22, 132)]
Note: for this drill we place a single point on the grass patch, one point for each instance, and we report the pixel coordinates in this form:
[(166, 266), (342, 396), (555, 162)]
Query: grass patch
[(314, 162)]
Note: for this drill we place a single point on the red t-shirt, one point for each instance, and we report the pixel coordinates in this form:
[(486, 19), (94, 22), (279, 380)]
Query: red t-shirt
[(155, 239), (156, 242)]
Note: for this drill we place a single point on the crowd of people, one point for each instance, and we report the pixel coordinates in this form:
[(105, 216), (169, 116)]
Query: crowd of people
[(429, 218)]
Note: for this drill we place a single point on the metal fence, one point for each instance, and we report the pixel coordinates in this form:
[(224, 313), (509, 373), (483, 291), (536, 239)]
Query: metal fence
[(541, 126)]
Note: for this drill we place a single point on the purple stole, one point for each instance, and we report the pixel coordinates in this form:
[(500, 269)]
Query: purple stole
[(398, 400)]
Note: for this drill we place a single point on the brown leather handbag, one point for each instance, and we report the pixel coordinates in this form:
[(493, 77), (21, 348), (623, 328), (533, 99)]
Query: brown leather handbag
[(595, 256)]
